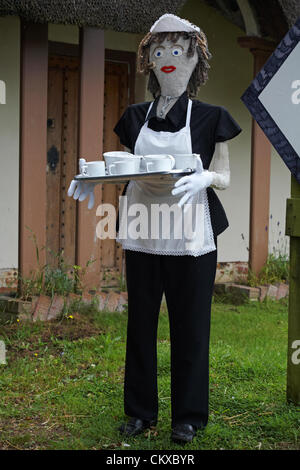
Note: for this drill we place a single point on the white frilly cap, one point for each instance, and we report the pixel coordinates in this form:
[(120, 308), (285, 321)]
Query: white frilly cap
[(171, 23)]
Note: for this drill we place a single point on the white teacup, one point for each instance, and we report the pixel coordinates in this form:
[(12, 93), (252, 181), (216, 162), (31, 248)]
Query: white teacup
[(158, 163), (185, 161), (92, 169), (122, 167), (112, 157)]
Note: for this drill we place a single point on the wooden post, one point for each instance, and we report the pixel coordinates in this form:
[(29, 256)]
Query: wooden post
[(293, 230), (260, 168), (33, 145), (91, 102)]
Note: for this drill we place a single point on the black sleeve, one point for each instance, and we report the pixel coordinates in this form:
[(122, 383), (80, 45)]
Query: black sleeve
[(226, 127), (123, 129)]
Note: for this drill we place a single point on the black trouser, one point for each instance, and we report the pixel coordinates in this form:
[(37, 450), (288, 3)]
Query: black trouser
[(188, 285)]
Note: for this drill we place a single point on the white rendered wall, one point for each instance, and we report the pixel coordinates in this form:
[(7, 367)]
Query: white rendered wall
[(63, 33), (9, 141)]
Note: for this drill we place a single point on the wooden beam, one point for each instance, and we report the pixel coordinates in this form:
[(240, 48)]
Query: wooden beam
[(254, 43), (260, 169), (91, 102), (33, 144), (293, 375)]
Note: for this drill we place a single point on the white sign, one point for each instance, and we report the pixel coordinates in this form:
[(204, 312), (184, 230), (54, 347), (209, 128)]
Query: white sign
[(281, 98)]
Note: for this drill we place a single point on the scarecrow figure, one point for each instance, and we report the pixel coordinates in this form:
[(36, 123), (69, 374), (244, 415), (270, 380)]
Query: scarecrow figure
[(175, 55)]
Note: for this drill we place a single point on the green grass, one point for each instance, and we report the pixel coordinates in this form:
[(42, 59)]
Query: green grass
[(66, 391)]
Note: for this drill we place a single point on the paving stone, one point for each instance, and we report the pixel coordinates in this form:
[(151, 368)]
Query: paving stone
[(219, 288), (96, 301), (123, 301), (73, 298), (263, 292), (9, 304), (102, 299), (56, 307), (17, 306), (112, 301), (282, 291), (26, 309), (87, 298), (240, 291), (124, 295), (42, 308), (272, 291)]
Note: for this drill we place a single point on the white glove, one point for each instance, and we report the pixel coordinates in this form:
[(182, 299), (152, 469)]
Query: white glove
[(192, 184), (81, 190)]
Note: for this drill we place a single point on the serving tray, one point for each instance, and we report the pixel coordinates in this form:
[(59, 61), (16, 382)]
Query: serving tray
[(135, 176)]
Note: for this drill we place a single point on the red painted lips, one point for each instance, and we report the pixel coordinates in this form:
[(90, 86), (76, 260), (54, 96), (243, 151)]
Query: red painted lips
[(168, 69)]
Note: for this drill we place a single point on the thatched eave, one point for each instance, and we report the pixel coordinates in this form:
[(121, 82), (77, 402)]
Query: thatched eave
[(274, 17), (132, 16), (291, 10)]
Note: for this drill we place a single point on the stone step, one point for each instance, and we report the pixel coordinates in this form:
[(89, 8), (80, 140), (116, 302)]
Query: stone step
[(240, 292), (45, 308)]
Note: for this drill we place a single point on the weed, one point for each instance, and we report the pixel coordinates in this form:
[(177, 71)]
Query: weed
[(58, 278)]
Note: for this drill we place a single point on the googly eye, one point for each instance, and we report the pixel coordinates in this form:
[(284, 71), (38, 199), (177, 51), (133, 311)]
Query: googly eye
[(176, 51), (158, 52)]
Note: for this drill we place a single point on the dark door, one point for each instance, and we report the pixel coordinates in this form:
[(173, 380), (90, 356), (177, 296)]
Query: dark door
[(62, 140)]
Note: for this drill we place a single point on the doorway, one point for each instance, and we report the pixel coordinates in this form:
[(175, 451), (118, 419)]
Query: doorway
[(62, 152), (62, 145)]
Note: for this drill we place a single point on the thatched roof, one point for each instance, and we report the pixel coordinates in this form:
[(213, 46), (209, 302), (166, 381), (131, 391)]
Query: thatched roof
[(133, 16), (136, 16), (273, 16), (291, 10)]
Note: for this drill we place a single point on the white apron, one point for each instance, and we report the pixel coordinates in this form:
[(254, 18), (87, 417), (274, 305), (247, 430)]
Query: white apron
[(141, 227)]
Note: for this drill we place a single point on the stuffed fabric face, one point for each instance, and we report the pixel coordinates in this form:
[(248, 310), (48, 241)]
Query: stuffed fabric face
[(187, 51), (173, 66)]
